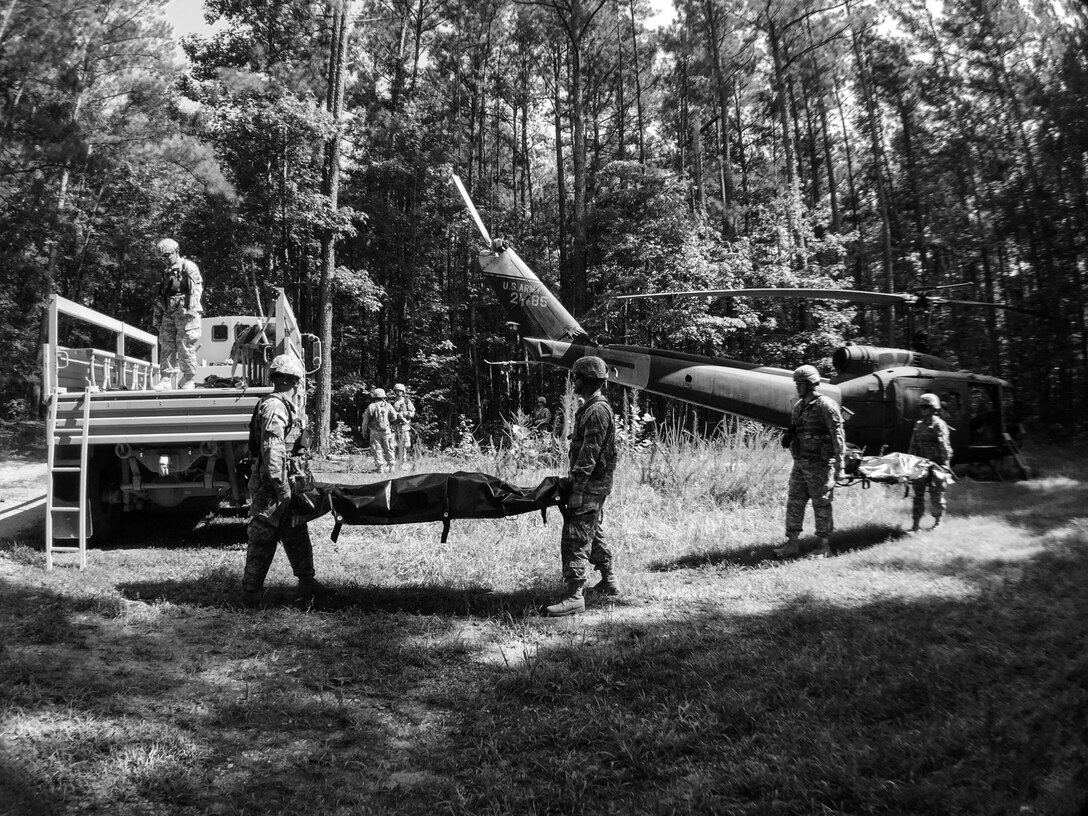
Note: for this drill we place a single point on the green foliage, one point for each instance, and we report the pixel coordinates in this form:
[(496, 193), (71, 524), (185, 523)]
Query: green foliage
[(875, 147)]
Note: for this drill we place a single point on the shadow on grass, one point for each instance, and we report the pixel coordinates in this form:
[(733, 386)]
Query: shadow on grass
[(184, 527), (222, 590), (22, 793), (944, 706), (940, 706), (232, 714), (844, 541)]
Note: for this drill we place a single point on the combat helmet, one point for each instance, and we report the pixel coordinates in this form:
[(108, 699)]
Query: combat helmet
[(378, 393), (590, 367), (932, 400), (286, 365), (807, 373)]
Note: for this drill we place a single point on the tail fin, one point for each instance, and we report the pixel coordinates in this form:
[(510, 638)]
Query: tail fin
[(527, 300)]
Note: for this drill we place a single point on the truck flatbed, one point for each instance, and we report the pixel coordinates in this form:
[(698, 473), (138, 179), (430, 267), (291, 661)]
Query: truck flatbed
[(157, 417)]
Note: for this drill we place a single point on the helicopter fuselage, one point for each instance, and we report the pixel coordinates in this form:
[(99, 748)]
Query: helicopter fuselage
[(878, 388), (880, 407)]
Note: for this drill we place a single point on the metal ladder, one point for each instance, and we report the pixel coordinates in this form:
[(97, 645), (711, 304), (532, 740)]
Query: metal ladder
[(55, 511)]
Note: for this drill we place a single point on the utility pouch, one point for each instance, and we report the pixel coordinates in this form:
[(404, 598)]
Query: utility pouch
[(302, 443), (302, 484), (788, 437)]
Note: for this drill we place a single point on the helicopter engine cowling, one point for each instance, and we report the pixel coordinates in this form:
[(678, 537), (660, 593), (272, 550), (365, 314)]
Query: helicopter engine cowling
[(857, 361)]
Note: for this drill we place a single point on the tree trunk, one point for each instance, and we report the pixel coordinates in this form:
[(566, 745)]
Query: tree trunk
[(578, 151), (883, 206), (829, 162), (721, 84), (334, 104), (566, 285), (697, 165), (782, 108), (638, 88)]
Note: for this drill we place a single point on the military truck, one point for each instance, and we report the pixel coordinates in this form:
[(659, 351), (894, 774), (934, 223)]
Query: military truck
[(117, 445)]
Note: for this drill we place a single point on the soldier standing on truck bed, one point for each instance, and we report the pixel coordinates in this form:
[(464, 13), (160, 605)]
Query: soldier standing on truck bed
[(177, 312), (278, 442)]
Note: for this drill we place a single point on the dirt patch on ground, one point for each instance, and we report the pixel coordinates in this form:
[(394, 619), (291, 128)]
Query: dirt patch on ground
[(22, 496)]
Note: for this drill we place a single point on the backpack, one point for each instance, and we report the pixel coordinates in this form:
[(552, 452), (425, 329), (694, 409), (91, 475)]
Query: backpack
[(379, 419), (254, 426)]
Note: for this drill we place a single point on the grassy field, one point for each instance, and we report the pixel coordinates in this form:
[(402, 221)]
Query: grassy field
[(941, 673)]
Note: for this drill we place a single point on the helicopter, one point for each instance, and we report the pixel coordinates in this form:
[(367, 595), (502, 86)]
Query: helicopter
[(878, 388)]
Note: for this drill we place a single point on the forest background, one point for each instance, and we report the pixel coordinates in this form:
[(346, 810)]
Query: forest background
[(309, 146)]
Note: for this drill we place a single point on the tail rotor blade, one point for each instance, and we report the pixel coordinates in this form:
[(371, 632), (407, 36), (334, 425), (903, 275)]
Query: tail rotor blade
[(472, 209)]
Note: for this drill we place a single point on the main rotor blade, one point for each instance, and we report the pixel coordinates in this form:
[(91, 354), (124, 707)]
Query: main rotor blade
[(472, 209), (942, 286), (783, 292), (1005, 306)]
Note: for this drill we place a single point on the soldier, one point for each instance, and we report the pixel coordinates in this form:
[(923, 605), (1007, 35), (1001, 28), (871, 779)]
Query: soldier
[(277, 434), (177, 312), (542, 415), (931, 440), (818, 447), (592, 461), (402, 426), (378, 422)]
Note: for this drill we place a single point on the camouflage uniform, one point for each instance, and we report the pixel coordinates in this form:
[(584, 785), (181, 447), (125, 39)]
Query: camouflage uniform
[(592, 462), (177, 311), (378, 427), (930, 440), (541, 418), (402, 425), (270, 517), (817, 452)]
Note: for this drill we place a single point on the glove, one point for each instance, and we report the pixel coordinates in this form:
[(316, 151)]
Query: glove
[(574, 501)]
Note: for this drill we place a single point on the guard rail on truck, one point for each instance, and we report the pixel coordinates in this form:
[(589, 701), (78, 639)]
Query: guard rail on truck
[(115, 445)]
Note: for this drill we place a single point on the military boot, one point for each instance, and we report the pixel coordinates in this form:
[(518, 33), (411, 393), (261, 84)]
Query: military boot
[(936, 522), (252, 597), (606, 586), (572, 602), (917, 524), (310, 590), (790, 549), (823, 548)]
